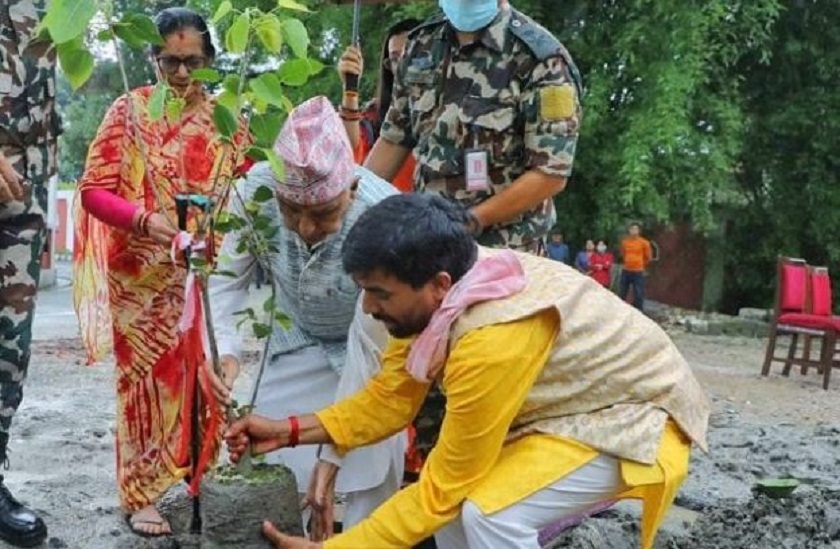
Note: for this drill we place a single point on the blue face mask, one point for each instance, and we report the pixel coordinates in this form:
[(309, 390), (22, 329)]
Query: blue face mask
[(469, 15)]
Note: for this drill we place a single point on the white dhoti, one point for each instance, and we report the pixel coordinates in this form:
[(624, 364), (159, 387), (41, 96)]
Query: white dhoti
[(303, 382)]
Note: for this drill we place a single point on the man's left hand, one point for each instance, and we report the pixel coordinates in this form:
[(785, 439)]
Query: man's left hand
[(282, 541)]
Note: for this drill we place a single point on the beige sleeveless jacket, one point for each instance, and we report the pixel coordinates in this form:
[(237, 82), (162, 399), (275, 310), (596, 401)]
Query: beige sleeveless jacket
[(614, 376)]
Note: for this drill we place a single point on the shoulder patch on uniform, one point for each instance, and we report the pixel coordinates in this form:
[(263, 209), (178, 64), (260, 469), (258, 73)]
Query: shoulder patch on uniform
[(542, 43), (427, 24), (557, 102)]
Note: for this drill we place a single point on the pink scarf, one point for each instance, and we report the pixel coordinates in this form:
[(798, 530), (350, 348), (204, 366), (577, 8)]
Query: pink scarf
[(494, 277)]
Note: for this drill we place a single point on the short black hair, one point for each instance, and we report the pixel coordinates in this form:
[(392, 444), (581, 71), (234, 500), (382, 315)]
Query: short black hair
[(413, 237), (173, 20)]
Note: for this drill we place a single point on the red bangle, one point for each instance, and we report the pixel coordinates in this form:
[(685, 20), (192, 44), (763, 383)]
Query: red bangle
[(294, 433)]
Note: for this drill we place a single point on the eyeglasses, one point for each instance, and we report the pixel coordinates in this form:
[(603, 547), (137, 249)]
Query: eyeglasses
[(171, 64)]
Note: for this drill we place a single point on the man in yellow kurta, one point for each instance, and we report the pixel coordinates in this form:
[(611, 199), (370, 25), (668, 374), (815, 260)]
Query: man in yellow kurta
[(560, 397)]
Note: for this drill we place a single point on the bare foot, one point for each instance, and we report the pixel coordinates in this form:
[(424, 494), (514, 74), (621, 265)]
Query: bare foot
[(148, 522)]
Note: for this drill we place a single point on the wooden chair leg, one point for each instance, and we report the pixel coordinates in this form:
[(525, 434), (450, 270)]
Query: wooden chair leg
[(827, 356), (806, 353), (794, 341), (771, 350)]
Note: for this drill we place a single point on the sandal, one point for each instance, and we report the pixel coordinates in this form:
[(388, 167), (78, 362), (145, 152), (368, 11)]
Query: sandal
[(136, 526)]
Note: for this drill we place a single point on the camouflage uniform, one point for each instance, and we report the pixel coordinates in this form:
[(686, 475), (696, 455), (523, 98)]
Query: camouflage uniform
[(28, 131), (512, 93)]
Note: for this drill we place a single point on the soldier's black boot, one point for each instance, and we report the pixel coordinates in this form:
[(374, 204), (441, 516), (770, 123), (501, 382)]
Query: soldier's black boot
[(19, 525)]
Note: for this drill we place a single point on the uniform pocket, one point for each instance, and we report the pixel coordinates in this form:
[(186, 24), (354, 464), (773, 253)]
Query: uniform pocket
[(489, 125)]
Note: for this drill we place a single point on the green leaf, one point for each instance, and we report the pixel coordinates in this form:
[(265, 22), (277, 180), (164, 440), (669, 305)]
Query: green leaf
[(68, 19), (231, 83), (175, 108), (144, 28), (128, 35), (256, 153), (268, 88), (211, 76), (76, 62), (105, 35), (261, 331), (236, 39), (265, 128), (294, 72), (263, 194), (315, 67), (270, 32), (221, 12), (287, 104), (277, 166), (225, 121), (296, 36), (157, 101), (292, 5), (229, 100), (283, 320), (268, 305)]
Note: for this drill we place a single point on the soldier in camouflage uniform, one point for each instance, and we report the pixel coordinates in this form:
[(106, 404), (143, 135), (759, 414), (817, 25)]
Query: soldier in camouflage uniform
[(28, 131), (508, 91)]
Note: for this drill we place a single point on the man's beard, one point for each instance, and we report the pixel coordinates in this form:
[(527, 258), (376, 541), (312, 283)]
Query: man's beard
[(402, 330)]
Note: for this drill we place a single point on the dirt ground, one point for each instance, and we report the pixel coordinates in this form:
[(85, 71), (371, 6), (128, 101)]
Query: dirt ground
[(62, 460)]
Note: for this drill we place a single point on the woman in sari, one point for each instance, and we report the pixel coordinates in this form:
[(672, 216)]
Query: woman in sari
[(128, 291)]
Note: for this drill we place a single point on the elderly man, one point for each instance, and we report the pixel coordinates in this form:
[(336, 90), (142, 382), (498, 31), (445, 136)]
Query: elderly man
[(488, 101), (560, 397), (321, 197)]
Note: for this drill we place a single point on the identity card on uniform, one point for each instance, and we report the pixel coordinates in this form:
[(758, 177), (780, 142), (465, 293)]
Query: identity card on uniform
[(475, 162)]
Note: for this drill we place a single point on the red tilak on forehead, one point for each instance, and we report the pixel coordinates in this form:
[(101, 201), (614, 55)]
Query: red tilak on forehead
[(181, 35)]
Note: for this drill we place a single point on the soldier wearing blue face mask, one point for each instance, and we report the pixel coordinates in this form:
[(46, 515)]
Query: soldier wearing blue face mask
[(488, 102)]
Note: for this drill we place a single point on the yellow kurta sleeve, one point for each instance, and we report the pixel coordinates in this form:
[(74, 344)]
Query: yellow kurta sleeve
[(384, 407), (486, 378)]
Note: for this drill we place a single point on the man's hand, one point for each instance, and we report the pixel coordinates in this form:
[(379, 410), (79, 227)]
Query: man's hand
[(351, 62), (321, 498), (223, 386), (11, 182), (257, 432), (282, 541)]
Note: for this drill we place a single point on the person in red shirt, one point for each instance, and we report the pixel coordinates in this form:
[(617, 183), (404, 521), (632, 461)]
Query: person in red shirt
[(636, 254), (363, 125), (600, 264)]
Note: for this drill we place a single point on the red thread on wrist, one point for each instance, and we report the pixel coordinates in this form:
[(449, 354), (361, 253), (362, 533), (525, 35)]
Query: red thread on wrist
[(294, 433)]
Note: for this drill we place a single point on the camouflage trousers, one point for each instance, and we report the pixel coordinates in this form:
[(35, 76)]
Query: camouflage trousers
[(22, 236)]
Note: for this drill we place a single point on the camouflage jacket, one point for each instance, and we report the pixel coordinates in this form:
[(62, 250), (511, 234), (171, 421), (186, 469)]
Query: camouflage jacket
[(514, 93), (27, 77)]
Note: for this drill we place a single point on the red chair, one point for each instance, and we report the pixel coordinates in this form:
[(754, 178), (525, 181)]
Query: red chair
[(802, 308), (819, 290)]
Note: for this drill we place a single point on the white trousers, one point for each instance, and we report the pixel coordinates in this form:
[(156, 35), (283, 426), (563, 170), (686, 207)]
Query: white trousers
[(519, 525)]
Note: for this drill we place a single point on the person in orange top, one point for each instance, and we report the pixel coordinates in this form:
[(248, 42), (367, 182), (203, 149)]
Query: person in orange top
[(362, 126), (636, 254)]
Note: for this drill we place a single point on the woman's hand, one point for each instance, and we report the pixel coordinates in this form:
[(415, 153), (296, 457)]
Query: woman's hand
[(222, 387), (351, 62), (160, 230)]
